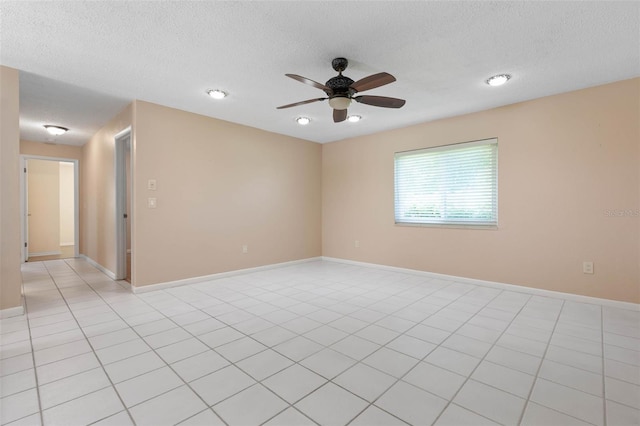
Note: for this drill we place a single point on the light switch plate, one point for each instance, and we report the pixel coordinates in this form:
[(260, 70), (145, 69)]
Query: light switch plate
[(152, 203), (151, 184)]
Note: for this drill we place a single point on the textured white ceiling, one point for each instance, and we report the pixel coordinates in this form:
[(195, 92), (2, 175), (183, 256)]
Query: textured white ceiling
[(82, 62)]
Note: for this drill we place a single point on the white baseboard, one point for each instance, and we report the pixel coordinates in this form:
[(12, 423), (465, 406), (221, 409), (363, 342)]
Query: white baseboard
[(98, 266), (503, 286), (45, 253), (11, 312), (195, 280), (67, 244)]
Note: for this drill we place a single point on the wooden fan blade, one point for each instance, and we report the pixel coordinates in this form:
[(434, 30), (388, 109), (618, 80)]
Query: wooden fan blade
[(339, 115), (310, 82), (380, 101), (301, 103), (373, 81)]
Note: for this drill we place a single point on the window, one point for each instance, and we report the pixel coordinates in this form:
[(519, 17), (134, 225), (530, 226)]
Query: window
[(448, 185)]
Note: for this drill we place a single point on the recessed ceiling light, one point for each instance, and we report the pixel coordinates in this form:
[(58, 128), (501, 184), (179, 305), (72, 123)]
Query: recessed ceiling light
[(354, 118), (55, 130), (498, 80), (217, 94), (303, 121)]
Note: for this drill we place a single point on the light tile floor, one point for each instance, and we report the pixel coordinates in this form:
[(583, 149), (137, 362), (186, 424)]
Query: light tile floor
[(316, 343)]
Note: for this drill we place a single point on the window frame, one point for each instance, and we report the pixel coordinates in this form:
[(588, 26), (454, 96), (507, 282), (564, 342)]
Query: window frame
[(450, 223)]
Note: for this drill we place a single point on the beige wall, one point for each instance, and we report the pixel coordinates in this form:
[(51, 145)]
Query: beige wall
[(10, 279), (566, 162), (97, 193), (67, 204), (50, 150), (219, 186), (44, 206)]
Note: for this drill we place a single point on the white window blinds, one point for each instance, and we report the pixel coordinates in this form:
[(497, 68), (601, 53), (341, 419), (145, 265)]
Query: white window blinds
[(448, 185)]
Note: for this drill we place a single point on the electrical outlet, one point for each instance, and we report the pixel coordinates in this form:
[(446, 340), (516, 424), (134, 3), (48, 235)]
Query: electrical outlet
[(151, 185), (587, 267), (356, 243), (245, 248)]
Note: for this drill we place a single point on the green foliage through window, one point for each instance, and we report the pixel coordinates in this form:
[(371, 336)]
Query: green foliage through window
[(453, 184)]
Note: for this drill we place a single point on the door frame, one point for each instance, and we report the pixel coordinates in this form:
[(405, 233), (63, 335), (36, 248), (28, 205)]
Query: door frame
[(24, 188), (121, 200)]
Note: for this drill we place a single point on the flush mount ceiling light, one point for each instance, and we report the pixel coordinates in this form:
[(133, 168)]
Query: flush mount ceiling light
[(498, 80), (354, 118), (303, 121), (55, 130), (217, 93)]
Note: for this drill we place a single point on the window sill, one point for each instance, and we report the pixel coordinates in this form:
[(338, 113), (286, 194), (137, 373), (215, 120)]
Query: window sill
[(447, 226)]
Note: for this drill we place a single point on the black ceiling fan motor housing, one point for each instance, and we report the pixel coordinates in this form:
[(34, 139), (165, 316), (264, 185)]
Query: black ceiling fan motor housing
[(339, 84)]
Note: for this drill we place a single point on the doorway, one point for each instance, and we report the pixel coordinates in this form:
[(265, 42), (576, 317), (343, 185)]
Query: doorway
[(124, 190), (49, 208)]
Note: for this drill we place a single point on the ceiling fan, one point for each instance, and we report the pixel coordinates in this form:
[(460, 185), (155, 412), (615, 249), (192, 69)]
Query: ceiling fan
[(341, 91)]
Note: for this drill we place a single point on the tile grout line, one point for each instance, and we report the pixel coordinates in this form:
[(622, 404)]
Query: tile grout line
[(210, 407), (132, 356), (179, 326), (424, 357), (450, 401), (367, 307), (289, 405), (354, 333), (318, 300), (386, 315), (197, 337), (50, 278), (542, 359), (88, 342), (307, 301), (193, 336), (553, 381), (268, 347), (33, 359), (296, 334), (580, 368), (152, 349), (231, 363)]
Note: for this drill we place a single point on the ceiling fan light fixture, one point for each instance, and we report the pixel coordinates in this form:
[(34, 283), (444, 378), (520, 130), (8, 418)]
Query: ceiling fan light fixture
[(217, 93), (340, 102), (341, 90), (303, 121), (354, 118), (55, 130), (498, 80)]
